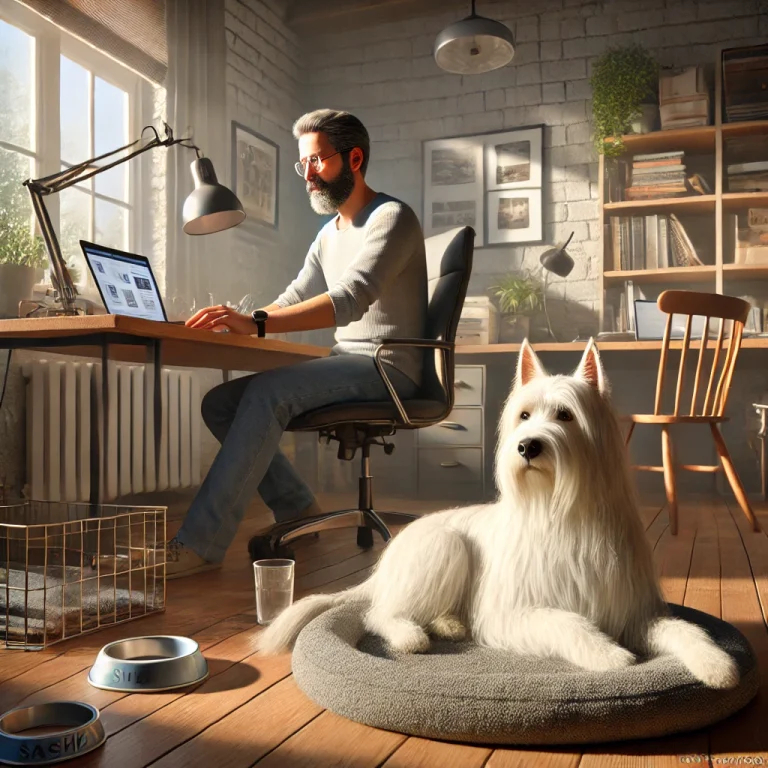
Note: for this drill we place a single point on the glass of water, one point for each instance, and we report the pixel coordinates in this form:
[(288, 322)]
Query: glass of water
[(274, 588)]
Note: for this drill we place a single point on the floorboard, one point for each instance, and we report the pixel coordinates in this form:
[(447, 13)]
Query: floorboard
[(249, 712)]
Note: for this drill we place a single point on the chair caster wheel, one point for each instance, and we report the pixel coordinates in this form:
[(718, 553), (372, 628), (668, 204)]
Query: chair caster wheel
[(265, 548), (365, 538)]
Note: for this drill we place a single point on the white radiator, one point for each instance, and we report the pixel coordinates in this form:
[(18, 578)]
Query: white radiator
[(63, 397)]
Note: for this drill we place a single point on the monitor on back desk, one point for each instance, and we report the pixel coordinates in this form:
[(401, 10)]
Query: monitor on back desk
[(125, 282)]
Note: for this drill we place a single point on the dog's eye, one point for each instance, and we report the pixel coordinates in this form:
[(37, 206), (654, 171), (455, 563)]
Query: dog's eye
[(563, 414), (524, 416)]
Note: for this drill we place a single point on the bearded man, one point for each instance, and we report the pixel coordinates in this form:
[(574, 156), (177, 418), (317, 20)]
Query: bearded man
[(365, 275)]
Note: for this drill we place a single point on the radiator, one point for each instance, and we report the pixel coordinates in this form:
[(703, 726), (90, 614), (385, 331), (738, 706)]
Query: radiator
[(63, 397)]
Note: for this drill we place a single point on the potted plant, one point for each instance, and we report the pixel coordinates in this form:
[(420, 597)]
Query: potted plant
[(624, 96), (518, 297), (22, 256)]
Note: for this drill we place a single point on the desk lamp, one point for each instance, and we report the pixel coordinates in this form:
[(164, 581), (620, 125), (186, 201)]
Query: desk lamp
[(210, 207)]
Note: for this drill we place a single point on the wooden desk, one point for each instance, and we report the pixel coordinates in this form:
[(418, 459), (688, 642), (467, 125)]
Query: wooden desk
[(178, 345), (127, 339)]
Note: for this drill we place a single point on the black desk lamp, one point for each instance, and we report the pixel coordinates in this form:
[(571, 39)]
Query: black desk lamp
[(558, 261), (210, 207)]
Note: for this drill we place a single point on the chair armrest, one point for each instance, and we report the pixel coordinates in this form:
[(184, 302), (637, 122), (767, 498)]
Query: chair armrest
[(383, 344)]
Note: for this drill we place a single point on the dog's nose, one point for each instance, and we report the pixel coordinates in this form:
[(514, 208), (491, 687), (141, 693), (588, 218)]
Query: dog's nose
[(529, 448)]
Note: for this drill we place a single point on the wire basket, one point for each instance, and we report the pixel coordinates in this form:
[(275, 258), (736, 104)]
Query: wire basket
[(70, 569)]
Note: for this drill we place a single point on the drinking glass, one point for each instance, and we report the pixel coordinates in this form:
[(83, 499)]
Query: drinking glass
[(274, 588)]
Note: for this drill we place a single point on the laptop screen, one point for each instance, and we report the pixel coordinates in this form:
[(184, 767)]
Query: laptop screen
[(125, 281)]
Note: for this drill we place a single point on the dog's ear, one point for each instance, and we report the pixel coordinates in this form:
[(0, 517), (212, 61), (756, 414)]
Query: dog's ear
[(528, 365), (591, 369)]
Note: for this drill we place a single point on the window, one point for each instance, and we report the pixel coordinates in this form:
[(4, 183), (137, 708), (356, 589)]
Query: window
[(62, 102)]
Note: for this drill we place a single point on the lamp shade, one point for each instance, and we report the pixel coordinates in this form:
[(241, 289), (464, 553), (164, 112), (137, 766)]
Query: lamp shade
[(210, 207), (558, 260), (474, 45)]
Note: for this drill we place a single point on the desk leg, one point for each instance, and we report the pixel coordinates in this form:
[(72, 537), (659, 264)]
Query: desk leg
[(154, 354), (100, 438)]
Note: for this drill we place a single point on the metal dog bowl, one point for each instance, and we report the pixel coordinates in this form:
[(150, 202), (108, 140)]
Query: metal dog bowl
[(148, 664), (70, 729)]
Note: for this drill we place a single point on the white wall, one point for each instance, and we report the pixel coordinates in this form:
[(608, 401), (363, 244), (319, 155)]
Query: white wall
[(385, 73)]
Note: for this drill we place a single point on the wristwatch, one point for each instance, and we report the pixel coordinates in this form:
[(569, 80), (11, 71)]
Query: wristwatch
[(260, 318)]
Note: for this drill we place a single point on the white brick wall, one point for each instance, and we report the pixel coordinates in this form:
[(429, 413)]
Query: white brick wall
[(394, 86)]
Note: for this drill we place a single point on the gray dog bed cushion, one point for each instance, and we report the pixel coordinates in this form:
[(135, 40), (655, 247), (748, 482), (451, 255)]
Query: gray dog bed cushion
[(461, 692)]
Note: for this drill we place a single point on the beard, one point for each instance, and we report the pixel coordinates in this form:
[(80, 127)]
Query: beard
[(326, 196)]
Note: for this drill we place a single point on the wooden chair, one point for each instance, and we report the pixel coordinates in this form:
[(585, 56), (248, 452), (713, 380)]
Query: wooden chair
[(713, 388)]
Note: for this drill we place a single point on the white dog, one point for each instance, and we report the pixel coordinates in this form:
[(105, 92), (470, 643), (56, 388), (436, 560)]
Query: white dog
[(558, 566)]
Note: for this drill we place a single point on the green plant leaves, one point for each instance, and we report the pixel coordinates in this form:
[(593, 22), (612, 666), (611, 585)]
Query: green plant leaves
[(621, 79)]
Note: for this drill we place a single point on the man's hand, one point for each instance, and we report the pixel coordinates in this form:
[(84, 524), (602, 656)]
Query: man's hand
[(220, 318)]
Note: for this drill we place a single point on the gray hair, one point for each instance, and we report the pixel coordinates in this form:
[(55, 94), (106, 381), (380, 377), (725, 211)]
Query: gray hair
[(343, 130)]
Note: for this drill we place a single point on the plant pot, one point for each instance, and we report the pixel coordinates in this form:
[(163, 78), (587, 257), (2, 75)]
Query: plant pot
[(514, 329), (648, 121), (16, 284)]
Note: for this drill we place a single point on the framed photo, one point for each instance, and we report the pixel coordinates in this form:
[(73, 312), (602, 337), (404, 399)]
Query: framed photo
[(514, 216), (453, 196), (513, 159), (465, 176), (255, 166)]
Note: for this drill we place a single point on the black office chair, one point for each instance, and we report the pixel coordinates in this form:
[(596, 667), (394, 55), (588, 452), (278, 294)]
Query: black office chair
[(361, 425)]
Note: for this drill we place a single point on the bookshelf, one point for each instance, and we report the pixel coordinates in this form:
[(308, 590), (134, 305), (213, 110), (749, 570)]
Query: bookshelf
[(707, 218)]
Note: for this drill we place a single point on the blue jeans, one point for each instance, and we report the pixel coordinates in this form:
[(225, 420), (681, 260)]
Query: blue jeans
[(248, 417)]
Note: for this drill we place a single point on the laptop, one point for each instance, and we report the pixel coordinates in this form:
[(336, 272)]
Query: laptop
[(125, 281)]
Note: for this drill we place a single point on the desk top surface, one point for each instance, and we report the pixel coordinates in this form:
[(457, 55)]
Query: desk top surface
[(181, 346)]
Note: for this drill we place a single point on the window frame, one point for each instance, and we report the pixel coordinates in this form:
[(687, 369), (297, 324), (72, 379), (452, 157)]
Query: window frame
[(50, 43)]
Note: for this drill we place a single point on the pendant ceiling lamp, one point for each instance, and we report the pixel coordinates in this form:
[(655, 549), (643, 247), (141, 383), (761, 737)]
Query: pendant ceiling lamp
[(474, 45)]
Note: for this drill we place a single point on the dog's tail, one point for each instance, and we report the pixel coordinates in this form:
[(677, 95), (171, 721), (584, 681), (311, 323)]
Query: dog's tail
[(705, 660), (281, 634)]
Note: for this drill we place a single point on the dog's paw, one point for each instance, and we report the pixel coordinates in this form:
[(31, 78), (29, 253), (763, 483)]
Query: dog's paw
[(448, 627), (407, 637), (715, 668)]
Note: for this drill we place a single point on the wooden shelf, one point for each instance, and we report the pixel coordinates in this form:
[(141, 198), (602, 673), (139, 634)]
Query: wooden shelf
[(701, 139), (667, 275), (732, 200), (747, 128), (745, 271), (691, 204)]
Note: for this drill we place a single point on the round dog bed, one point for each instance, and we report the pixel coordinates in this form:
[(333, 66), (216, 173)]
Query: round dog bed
[(461, 692)]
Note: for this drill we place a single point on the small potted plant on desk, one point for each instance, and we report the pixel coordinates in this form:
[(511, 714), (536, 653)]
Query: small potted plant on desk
[(518, 296), (22, 259)]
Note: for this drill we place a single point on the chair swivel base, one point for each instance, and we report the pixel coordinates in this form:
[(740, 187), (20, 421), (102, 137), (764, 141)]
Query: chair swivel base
[(273, 543)]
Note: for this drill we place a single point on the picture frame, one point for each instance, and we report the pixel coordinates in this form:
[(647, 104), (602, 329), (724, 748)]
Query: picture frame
[(464, 178), (255, 175), (514, 216)]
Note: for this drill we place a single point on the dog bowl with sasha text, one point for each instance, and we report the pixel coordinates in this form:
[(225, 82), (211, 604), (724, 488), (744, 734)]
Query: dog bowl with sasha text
[(148, 664), (49, 733)]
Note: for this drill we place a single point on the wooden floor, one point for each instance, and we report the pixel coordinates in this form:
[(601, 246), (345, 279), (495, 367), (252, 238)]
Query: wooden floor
[(250, 711)]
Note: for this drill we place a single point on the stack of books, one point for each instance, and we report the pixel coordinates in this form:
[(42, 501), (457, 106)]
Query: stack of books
[(751, 236), (747, 164), (660, 174), (479, 322), (683, 99), (745, 71)]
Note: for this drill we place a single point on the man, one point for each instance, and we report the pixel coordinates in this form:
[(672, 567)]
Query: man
[(365, 274)]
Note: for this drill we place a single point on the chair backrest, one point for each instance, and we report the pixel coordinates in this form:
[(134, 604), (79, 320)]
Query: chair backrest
[(449, 264), (714, 386)]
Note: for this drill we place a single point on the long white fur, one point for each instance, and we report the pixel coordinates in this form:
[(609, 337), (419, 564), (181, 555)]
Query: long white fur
[(557, 566)]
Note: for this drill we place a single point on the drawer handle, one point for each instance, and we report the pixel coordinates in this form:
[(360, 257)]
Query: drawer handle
[(450, 464), (460, 384), (452, 425)]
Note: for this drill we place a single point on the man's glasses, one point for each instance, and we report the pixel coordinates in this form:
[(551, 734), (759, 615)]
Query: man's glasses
[(316, 162)]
